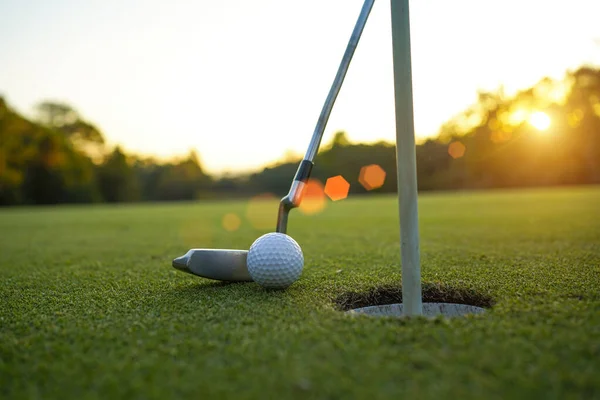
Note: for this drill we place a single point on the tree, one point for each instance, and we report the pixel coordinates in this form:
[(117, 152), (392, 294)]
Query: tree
[(11, 156), (39, 165), (340, 139), (64, 118), (117, 179), (184, 180)]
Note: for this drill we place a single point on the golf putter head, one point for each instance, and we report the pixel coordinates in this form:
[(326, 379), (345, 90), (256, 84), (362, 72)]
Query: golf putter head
[(230, 265), (218, 264)]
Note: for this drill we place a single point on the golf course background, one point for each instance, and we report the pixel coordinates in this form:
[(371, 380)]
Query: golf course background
[(545, 135), (91, 307), (509, 210)]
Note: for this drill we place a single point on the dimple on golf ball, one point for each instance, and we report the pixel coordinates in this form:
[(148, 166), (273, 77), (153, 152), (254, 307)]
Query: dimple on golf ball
[(275, 260)]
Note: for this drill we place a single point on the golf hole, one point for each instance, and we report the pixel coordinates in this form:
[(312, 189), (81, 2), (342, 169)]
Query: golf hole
[(429, 310), (438, 300)]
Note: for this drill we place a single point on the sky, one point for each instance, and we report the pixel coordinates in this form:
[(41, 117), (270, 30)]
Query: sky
[(243, 82)]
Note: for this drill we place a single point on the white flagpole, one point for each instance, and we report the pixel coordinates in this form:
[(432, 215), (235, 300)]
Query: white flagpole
[(406, 160)]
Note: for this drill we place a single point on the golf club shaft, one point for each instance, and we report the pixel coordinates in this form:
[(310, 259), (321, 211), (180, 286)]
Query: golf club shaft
[(337, 82), (294, 196)]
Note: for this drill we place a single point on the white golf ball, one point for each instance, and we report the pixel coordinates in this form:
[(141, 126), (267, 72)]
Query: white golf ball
[(275, 260)]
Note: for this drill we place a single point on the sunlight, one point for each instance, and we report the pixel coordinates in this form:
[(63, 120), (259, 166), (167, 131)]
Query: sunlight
[(540, 120), (518, 116)]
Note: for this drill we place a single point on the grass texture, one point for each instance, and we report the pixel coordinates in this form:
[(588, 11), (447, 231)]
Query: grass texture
[(90, 307)]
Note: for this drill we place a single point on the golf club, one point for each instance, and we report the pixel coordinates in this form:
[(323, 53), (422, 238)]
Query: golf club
[(229, 264), (294, 197)]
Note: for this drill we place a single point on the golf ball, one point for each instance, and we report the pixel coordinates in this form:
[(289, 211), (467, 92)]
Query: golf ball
[(275, 260)]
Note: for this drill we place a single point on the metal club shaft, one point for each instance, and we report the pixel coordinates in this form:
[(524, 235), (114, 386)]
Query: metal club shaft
[(294, 196)]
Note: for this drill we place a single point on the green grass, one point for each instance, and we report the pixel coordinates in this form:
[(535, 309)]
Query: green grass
[(90, 306)]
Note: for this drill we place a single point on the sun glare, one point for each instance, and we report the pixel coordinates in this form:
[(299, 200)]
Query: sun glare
[(518, 116), (540, 120)]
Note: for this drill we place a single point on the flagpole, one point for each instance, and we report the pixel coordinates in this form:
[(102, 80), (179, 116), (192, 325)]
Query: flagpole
[(406, 160)]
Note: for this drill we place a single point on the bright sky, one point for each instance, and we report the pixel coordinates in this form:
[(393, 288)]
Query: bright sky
[(244, 81)]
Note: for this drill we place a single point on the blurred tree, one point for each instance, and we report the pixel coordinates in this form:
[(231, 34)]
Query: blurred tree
[(147, 171), (117, 179), (48, 162), (340, 139), (39, 165), (58, 174), (185, 180), (11, 155), (63, 118), (582, 108)]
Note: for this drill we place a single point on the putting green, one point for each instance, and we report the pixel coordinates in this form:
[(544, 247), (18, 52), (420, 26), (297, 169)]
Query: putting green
[(91, 307)]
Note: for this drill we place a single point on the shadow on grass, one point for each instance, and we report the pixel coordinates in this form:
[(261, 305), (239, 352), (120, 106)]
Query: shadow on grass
[(231, 286), (202, 294), (240, 297), (432, 293), (208, 286)]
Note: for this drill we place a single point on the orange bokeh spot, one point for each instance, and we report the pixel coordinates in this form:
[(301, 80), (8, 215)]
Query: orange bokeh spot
[(371, 176), (262, 211), (456, 149), (231, 222), (500, 136), (313, 197), (336, 188)]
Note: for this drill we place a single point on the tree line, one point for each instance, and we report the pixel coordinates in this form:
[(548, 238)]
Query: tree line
[(548, 134)]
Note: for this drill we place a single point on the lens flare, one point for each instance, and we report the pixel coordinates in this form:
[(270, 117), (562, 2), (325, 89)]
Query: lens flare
[(337, 188), (456, 150), (371, 176), (313, 199), (231, 222)]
